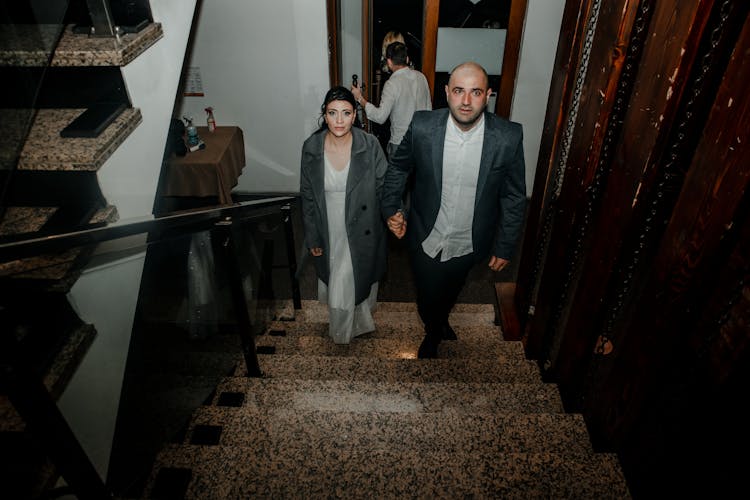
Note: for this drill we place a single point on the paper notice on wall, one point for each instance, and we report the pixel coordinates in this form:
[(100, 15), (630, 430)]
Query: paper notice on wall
[(193, 83)]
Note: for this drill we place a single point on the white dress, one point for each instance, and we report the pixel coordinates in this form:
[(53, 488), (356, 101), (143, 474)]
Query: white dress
[(345, 320)]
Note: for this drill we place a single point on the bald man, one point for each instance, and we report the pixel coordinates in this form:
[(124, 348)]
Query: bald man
[(468, 200)]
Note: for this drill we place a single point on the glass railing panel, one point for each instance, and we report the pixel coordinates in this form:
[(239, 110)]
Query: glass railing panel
[(132, 334)]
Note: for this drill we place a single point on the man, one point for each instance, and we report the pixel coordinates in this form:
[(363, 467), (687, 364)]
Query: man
[(405, 92), (469, 196)]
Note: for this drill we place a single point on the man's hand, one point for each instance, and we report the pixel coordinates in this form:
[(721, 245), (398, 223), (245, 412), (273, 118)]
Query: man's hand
[(496, 263), (316, 252), (358, 95), (397, 224)]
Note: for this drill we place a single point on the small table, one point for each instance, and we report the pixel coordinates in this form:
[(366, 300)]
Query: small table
[(212, 171)]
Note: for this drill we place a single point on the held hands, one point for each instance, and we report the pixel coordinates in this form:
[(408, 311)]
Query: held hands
[(316, 252), (397, 224), (496, 263)]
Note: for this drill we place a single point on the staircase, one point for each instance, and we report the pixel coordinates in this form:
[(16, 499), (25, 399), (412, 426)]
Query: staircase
[(371, 420), (50, 183)]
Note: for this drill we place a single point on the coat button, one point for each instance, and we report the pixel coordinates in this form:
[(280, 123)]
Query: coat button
[(367, 232), (364, 207)]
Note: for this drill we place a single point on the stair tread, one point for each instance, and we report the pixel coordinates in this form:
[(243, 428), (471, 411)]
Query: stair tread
[(25, 219), (395, 317), (481, 432), (56, 376), (44, 149), (379, 369), (393, 348), (383, 473), (389, 329), (315, 307), (401, 395), (31, 45), (82, 50)]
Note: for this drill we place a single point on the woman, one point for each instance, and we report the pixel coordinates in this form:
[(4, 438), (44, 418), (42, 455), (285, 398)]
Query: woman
[(341, 176), (389, 38)]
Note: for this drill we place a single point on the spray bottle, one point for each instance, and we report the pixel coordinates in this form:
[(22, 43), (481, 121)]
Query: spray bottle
[(210, 119)]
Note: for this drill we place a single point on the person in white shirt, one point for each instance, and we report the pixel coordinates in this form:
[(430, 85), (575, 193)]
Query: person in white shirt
[(405, 92), (468, 200)]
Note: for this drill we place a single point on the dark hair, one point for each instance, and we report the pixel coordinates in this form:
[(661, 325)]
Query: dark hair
[(338, 93), (396, 52)]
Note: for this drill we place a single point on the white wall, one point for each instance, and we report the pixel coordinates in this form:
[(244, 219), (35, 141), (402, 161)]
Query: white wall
[(538, 48), (130, 176), (264, 67)]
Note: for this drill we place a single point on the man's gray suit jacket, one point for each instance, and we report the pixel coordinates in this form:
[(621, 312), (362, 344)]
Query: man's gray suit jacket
[(501, 188)]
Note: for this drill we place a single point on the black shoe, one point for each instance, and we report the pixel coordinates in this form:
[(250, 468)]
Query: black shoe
[(428, 348), (448, 333)]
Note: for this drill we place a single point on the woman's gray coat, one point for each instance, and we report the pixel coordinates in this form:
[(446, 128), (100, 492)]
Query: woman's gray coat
[(364, 225)]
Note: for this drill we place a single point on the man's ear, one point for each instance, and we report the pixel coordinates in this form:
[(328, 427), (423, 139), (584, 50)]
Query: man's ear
[(489, 94)]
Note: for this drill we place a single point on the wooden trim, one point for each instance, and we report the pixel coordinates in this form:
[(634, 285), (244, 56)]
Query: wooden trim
[(568, 55), (429, 42), (510, 58), (334, 49), (366, 44), (506, 311)]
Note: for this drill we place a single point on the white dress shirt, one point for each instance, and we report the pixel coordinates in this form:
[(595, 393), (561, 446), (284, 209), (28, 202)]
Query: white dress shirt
[(462, 154), (405, 92)]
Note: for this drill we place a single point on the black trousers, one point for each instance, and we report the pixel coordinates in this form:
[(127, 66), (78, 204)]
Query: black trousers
[(438, 285)]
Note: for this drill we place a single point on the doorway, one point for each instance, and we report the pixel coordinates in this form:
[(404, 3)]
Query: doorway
[(430, 27)]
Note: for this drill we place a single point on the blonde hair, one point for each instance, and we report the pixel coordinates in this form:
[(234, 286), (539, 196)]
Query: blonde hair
[(389, 38)]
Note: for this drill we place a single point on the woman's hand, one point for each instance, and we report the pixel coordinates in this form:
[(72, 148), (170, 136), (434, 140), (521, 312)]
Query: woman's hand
[(316, 252), (496, 263), (397, 224)]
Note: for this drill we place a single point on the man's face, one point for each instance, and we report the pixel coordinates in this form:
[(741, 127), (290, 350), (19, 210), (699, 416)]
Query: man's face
[(467, 95)]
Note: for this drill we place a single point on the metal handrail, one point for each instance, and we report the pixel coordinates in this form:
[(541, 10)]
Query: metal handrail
[(176, 223)]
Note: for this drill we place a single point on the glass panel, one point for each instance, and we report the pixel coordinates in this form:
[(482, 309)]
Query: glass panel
[(130, 336)]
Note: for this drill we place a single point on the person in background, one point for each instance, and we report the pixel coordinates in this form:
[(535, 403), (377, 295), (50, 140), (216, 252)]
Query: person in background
[(405, 92), (468, 200), (389, 38), (341, 174)]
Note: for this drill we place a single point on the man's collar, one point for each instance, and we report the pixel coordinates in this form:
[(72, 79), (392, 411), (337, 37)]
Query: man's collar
[(479, 124)]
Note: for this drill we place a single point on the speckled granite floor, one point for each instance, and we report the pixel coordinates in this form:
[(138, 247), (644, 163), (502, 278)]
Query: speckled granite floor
[(359, 421), (369, 420)]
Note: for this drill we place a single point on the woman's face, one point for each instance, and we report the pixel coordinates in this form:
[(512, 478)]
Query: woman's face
[(339, 117)]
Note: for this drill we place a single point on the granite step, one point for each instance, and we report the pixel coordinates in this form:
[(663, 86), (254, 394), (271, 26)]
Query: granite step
[(394, 370), (249, 472), (392, 348), (484, 433), (400, 396), (314, 311), (31, 45), (315, 307), (396, 313), (384, 329)]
